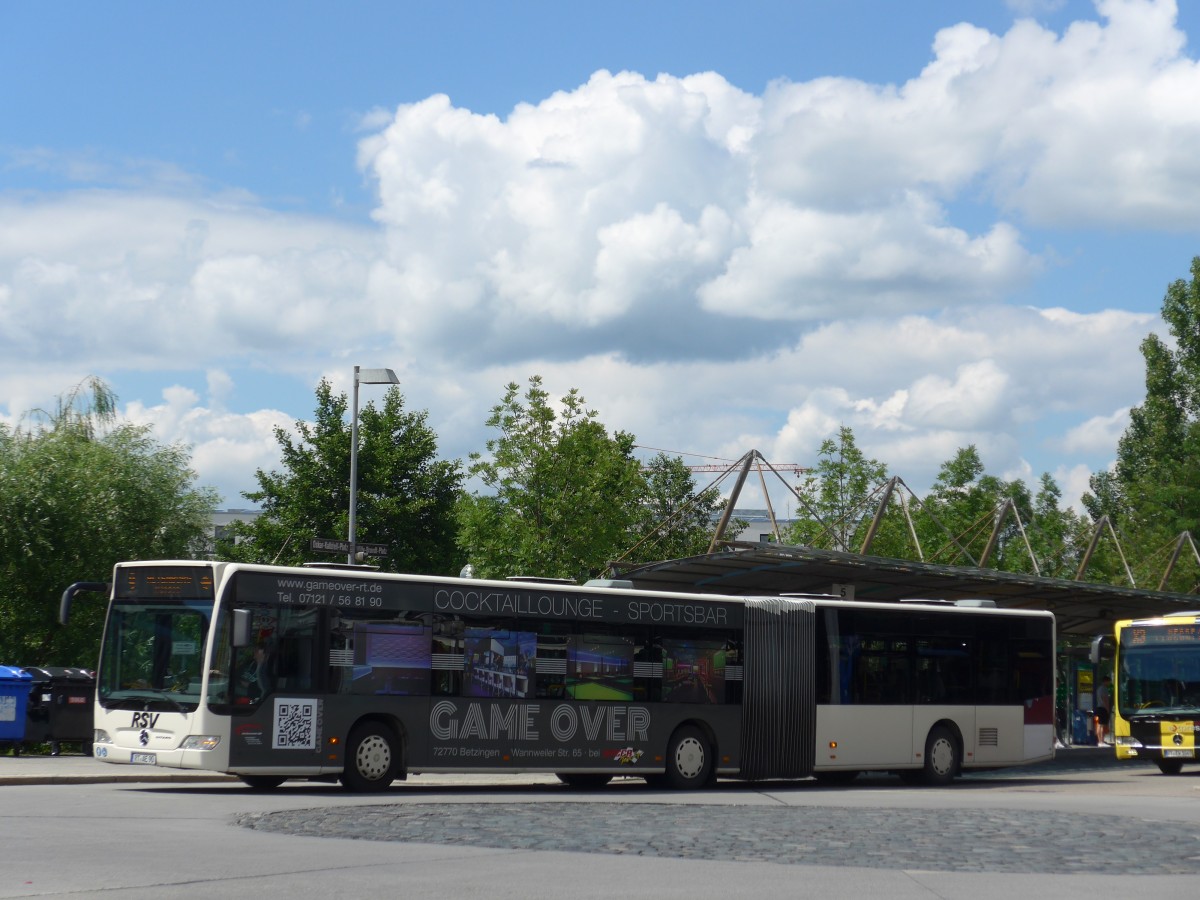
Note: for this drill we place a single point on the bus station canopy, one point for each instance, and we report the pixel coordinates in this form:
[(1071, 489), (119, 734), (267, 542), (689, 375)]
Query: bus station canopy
[(758, 569)]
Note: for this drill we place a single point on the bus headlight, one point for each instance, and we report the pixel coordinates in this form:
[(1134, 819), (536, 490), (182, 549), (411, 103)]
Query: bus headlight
[(100, 736), (200, 742), (1128, 740)]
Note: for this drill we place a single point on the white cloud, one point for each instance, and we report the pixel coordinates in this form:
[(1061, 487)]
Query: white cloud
[(1074, 482), (1099, 434), (715, 269), (227, 448), (977, 394), (173, 281)]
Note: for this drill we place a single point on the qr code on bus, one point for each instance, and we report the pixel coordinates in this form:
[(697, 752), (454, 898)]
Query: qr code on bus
[(296, 724)]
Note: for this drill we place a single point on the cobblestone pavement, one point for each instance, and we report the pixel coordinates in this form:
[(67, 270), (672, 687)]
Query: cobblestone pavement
[(956, 840)]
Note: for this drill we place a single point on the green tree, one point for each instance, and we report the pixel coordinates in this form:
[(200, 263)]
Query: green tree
[(563, 495), (675, 519), (79, 492), (840, 497), (1055, 532), (967, 507), (406, 496), (961, 511), (1152, 493)]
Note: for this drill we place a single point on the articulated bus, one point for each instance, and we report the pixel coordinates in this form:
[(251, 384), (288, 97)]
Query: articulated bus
[(340, 673), (1156, 695)]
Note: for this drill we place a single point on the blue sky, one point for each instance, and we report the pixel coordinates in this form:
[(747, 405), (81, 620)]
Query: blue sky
[(939, 223)]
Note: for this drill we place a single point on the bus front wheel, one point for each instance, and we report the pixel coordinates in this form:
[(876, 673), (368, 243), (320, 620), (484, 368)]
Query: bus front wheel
[(689, 759), (941, 757), (1170, 766), (372, 758), (262, 782)]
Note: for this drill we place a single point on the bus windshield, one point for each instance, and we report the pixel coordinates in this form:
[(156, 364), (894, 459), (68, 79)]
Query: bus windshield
[(1158, 676), (153, 653)]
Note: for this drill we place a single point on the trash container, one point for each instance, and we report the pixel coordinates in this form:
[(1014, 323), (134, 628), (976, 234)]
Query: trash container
[(60, 707), (14, 696), (1081, 732)]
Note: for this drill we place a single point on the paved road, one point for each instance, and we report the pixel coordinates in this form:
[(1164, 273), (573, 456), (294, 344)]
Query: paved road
[(1082, 827), (806, 824)]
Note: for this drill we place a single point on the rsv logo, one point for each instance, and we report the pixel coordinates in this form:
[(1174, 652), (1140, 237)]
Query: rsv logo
[(144, 719)]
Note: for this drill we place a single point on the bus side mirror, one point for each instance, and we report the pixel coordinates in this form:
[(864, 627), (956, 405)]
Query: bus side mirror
[(1104, 648), (79, 587), (243, 633)]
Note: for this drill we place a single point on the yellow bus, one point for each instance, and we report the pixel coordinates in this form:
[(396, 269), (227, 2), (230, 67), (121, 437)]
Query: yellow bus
[(1156, 690)]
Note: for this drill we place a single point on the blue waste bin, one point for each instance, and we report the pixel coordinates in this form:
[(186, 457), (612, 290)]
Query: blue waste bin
[(1080, 733), (14, 695)]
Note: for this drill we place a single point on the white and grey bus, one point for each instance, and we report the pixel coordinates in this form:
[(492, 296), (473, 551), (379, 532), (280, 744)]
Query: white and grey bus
[(327, 673)]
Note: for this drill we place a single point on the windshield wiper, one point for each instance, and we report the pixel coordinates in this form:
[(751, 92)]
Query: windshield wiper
[(135, 701)]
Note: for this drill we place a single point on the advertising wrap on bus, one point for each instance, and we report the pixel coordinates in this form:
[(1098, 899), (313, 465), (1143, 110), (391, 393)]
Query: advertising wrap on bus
[(504, 599), (273, 673)]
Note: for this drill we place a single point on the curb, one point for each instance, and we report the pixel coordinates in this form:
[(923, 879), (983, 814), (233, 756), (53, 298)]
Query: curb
[(114, 778)]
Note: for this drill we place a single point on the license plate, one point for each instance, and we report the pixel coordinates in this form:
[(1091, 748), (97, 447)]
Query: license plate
[(1183, 754), (145, 759)]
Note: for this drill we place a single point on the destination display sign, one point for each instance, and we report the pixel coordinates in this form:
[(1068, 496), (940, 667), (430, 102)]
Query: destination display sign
[(164, 583), (350, 591), (1144, 635)]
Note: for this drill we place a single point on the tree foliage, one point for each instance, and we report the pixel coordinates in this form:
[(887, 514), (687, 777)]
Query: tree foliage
[(563, 498), (952, 525), (968, 509), (675, 520), (405, 498), (962, 509), (79, 492), (836, 497), (1152, 493), (1057, 535)]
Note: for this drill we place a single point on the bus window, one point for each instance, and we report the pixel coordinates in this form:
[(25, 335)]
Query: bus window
[(498, 662), (380, 652), (693, 671), (551, 671), (447, 659), (282, 658), (647, 668), (600, 667), (944, 671)]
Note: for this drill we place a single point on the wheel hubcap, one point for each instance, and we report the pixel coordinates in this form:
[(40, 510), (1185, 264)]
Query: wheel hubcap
[(689, 758), (942, 756), (373, 757)]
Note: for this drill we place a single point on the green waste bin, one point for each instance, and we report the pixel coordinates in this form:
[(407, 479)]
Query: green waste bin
[(14, 696)]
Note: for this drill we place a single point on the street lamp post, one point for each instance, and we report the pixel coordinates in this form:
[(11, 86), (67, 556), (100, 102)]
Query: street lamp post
[(361, 376)]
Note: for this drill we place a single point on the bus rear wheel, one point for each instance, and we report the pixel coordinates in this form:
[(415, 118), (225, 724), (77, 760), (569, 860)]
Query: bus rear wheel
[(262, 782), (941, 757), (1169, 766), (584, 781), (689, 759), (372, 758)]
